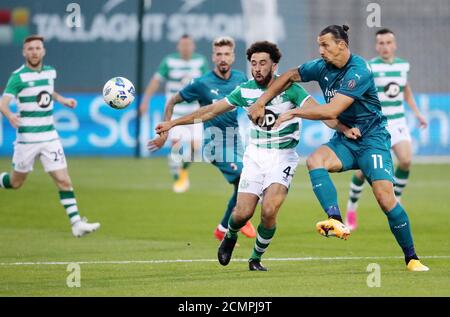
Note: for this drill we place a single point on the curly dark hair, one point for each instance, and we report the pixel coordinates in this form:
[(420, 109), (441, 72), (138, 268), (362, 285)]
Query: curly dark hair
[(265, 47)]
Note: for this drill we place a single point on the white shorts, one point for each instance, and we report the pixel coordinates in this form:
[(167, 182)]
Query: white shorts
[(399, 131), (263, 167), (51, 154), (186, 133)]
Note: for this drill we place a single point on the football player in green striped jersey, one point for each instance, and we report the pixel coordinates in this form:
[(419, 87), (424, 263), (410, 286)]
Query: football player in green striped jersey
[(177, 70), (33, 87), (391, 79)]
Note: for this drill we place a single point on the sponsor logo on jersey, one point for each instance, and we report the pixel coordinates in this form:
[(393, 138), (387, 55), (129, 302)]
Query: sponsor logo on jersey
[(269, 120), (44, 99), (392, 90)]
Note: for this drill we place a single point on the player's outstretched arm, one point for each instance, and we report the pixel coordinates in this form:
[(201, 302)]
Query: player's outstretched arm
[(203, 114), (158, 142), (13, 119), (171, 103), (351, 133), (409, 98), (68, 102), (256, 111), (329, 111), (312, 110)]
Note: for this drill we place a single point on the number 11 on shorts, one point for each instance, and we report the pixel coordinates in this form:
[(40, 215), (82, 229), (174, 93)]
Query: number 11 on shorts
[(377, 158)]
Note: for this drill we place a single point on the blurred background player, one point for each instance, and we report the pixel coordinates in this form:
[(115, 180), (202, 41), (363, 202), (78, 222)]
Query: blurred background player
[(177, 70), (33, 87), (391, 78), (221, 133)]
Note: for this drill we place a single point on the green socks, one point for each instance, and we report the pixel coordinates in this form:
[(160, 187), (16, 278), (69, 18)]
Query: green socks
[(67, 199), (263, 239)]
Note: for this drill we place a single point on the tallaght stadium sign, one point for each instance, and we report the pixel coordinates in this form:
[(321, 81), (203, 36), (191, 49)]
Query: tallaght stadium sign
[(122, 27)]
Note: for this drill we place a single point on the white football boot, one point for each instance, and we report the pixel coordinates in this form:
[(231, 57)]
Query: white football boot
[(82, 227)]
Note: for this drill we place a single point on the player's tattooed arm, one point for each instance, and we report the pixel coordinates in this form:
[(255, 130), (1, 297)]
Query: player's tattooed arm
[(158, 142), (68, 102), (256, 111), (171, 103), (13, 119), (203, 114)]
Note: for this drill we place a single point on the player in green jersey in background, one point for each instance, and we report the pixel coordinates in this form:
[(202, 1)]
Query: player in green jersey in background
[(33, 87), (391, 79), (177, 70)]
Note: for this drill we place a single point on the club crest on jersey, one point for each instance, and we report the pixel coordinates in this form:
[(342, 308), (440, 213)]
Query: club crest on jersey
[(277, 100), (351, 84), (44, 99)]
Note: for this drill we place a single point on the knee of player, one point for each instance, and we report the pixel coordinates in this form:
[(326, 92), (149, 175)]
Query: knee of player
[(241, 213), (314, 161), (269, 211), (64, 184), (405, 164), (385, 197), (268, 220)]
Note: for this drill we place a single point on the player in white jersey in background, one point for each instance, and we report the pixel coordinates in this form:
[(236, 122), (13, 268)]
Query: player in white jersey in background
[(33, 87), (177, 70), (390, 74)]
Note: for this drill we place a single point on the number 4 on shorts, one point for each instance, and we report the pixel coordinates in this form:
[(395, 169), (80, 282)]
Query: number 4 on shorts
[(287, 171)]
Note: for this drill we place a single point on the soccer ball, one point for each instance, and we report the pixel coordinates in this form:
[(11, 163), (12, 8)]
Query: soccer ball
[(118, 92)]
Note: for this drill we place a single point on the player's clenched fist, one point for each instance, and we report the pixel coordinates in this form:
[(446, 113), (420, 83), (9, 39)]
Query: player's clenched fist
[(163, 126)]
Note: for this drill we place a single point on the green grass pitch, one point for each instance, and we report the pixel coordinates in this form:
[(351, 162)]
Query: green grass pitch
[(145, 227)]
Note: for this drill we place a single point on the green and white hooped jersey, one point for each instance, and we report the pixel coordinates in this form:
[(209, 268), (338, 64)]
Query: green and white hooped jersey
[(287, 135), (178, 72), (33, 91), (391, 79)]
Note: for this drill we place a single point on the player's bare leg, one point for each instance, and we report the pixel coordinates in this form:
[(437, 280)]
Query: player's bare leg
[(273, 198), (15, 180), (80, 226), (244, 210), (403, 152), (383, 191), (320, 163), (176, 165)]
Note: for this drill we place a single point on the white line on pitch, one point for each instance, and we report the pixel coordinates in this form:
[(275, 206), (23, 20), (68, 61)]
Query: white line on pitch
[(345, 258)]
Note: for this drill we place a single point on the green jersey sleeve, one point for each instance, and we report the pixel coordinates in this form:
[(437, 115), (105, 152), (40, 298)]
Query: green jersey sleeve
[(235, 98), (297, 94), (163, 69), (13, 86), (205, 67)]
